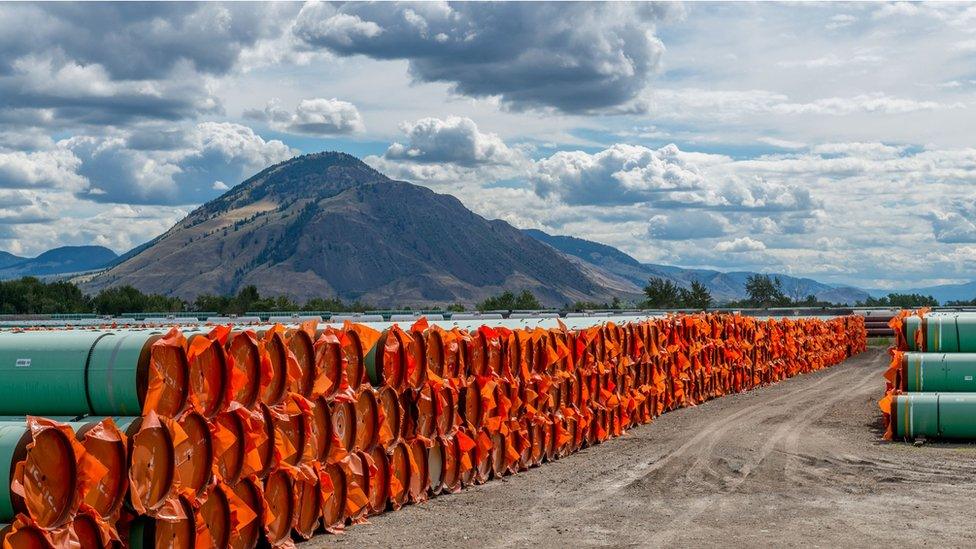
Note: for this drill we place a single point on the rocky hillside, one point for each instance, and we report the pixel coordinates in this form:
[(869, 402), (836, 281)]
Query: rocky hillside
[(326, 224)]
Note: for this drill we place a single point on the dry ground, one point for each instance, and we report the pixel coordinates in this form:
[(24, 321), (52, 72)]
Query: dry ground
[(800, 463)]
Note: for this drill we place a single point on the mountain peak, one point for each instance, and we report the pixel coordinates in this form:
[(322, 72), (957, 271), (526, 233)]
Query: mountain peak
[(309, 176), (328, 225)]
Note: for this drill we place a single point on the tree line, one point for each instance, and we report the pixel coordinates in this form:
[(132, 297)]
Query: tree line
[(32, 296), (763, 291)]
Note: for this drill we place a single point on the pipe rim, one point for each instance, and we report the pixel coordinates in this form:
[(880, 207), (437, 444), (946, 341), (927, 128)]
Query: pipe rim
[(51, 474), (280, 494), (195, 468), (159, 441), (115, 484)]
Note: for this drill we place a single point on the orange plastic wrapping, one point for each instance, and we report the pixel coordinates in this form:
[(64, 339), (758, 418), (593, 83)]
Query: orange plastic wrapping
[(463, 407)]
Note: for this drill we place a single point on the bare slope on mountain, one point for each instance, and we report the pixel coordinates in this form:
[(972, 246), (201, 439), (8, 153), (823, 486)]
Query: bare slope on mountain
[(328, 225)]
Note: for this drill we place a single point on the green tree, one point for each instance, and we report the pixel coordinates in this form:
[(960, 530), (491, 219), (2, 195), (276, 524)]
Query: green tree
[(765, 291), (508, 301), (698, 297), (526, 300), (245, 300), (331, 304), (906, 301), (29, 295), (456, 308), (126, 299), (212, 303), (662, 294)]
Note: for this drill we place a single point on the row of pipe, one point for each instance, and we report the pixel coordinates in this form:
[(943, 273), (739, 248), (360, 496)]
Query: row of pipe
[(930, 384), (266, 436)]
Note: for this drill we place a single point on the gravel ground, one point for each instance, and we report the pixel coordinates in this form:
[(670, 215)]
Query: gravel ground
[(800, 463)]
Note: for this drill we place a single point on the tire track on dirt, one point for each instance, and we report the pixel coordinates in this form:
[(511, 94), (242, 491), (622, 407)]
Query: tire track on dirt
[(712, 432), (789, 429)]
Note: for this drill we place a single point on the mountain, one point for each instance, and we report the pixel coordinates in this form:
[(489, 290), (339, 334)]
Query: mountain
[(327, 225), (943, 292), (7, 259), (723, 286), (58, 261)]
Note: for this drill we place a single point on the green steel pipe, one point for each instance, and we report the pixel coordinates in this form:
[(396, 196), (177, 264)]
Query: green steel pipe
[(44, 372), (942, 333), (936, 415), (61, 373), (13, 446), (118, 372), (108, 492), (52, 477), (375, 361), (938, 372), (148, 533)]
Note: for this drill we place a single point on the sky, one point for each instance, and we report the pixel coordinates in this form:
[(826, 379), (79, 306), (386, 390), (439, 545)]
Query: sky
[(827, 140)]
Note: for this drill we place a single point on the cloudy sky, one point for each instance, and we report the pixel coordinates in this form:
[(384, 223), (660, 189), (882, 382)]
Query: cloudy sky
[(827, 140)]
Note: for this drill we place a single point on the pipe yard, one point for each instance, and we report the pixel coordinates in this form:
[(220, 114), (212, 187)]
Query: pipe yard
[(270, 431)]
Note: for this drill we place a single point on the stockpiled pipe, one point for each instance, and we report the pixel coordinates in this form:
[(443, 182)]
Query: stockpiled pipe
[(106, 444), (937, 415), (39, 465), (74, 373), (452, 407), (178, 532), (936, 372), (939, 332)]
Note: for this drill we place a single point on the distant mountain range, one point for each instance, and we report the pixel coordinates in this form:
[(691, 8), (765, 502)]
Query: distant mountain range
[(56, 262), (632, 275), (944, 292), (328, 225)]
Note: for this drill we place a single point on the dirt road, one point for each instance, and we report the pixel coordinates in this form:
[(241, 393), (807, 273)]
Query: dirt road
[(799, 463)]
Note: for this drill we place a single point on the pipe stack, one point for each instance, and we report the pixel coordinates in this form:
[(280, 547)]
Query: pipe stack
[(235, 438), (930, 386), (877, 322)]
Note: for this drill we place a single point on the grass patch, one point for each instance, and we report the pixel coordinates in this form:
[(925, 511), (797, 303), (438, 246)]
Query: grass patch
[(881, 341)]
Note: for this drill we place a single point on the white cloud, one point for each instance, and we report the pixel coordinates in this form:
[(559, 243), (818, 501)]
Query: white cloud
[(840, 21), (56, 168), (686, 224), (740, 245), (446, 152), (315, 117), (176, 169), (220, 186), (574, 57), (782, 143), (621, 174), (956, 226), (833, 61), (728, 105), (455, 140)]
